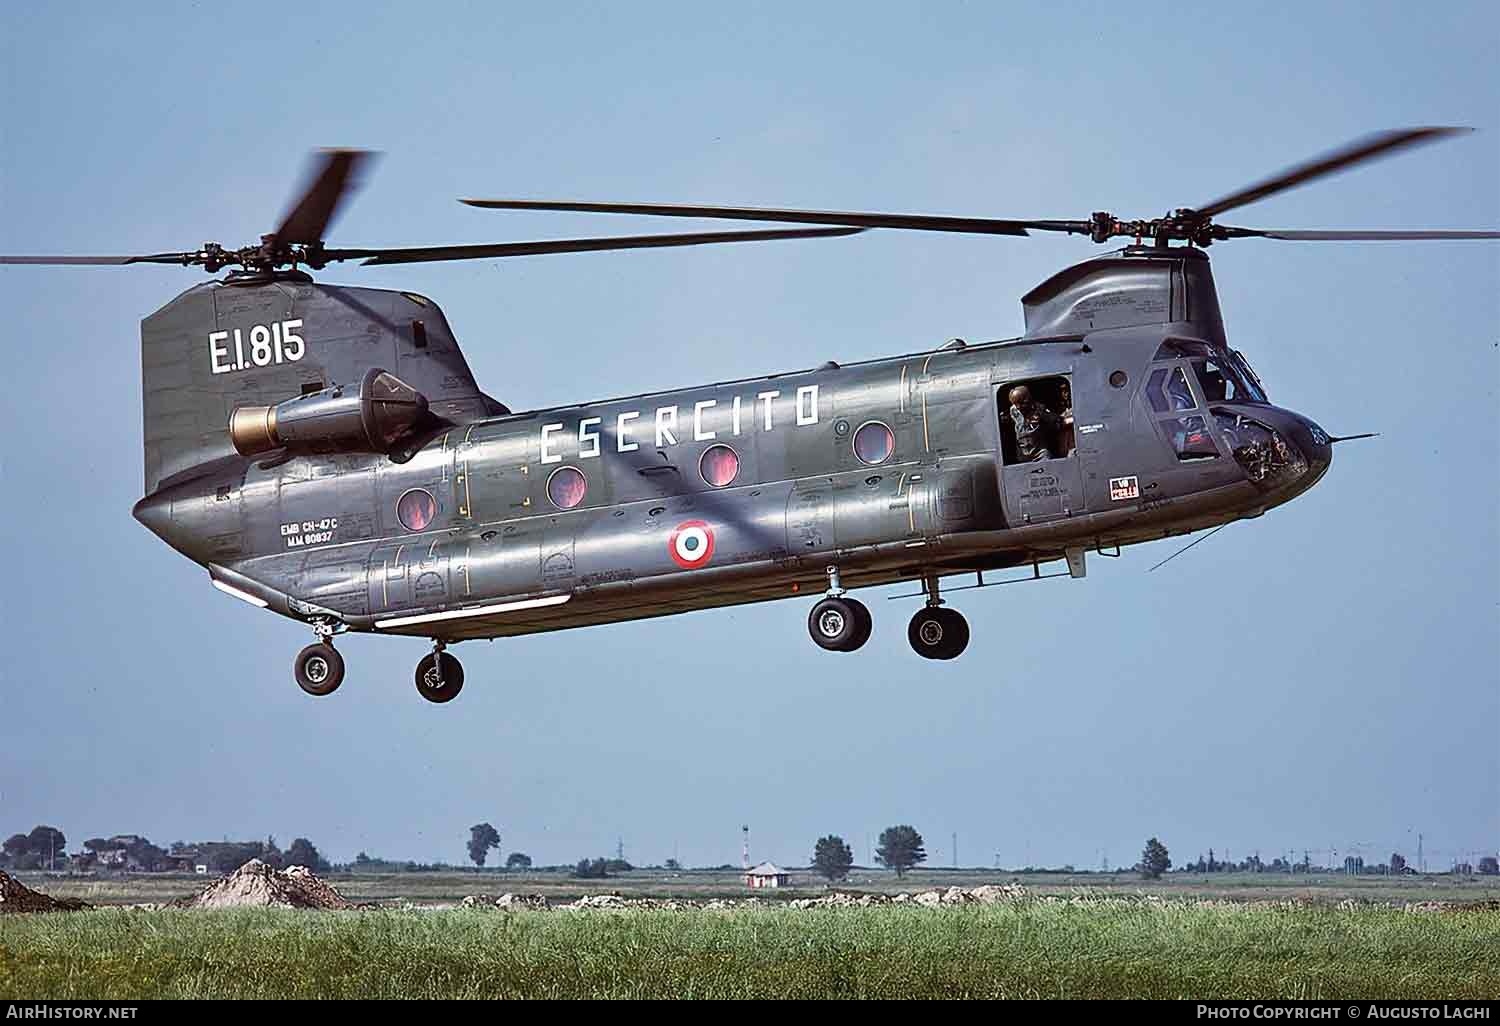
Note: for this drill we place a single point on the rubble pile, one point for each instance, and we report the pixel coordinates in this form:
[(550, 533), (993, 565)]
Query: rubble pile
[(257, 885), (986, 895), (16, 897)]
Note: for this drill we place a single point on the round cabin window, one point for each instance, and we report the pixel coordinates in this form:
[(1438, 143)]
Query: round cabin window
[(1118, 379), (874, 443), (719, 465), (567, 487), (416, 509)]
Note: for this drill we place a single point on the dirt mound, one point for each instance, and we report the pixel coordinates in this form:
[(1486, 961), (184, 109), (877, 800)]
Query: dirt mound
[(257, 885), (16, 897)]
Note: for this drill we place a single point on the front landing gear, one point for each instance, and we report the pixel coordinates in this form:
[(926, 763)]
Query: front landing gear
[(440, 677), (319, 668), (837, 623), (937, 632), (840, 624)]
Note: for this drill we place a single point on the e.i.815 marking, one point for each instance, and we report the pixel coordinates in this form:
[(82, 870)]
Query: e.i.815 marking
[(261, 346)]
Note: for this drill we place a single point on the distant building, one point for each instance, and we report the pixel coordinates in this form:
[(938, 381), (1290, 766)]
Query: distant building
[(767, 874)]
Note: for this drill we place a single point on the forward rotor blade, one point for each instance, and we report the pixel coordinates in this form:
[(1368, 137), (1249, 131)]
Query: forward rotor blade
[(921, 222), (335, 174), (1360, 235), (1367, 148), (154, 258), (424, 254)]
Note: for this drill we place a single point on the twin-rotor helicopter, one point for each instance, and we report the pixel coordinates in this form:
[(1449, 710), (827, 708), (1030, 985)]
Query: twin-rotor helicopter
[(325, 453)]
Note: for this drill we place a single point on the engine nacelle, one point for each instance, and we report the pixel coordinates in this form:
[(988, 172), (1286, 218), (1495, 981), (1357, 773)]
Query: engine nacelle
[(369, 417)]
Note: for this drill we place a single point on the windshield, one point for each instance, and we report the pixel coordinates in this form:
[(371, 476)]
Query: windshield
[(1266, 456), (1222, 381), (1255, 391)]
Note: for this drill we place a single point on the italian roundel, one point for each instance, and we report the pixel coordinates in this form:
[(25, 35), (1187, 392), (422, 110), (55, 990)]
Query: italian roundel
[(692, 545)]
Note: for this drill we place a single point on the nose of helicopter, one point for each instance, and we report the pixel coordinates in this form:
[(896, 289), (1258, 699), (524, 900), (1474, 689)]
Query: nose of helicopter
[(1316, 445), (1316, 448)]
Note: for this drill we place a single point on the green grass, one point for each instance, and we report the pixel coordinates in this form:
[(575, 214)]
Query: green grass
[(449, 887), (1084, 948)]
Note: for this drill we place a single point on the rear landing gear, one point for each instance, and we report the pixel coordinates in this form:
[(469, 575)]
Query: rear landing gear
[(319, 668), (837, 623), (440, 677), (937, 632)]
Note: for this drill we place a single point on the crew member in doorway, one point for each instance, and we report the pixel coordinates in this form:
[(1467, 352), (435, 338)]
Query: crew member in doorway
[(1036, 427)]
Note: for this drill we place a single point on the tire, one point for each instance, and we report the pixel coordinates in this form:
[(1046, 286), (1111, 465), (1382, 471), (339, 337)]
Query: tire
[(834, 624), (866, 625), (938, 633), (319, 669), (453, 678)]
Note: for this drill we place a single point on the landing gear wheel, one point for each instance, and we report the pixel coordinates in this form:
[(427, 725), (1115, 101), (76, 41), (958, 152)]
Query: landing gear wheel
[(839, 624), (938, 633), (866, 624), (319, 669), (439, 684)]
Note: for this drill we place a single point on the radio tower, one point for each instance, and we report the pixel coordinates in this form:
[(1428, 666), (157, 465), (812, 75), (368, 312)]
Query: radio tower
[(745, 847)]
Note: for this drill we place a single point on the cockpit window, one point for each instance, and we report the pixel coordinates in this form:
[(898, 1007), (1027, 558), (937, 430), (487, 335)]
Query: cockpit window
[(1265, 455), (1168, 390), (1220, 381), (1191, 439), (1255, 391), (1178, 392), (1156, 392)]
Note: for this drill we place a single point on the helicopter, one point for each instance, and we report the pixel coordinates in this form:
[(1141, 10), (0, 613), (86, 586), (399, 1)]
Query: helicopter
[(324, 451)]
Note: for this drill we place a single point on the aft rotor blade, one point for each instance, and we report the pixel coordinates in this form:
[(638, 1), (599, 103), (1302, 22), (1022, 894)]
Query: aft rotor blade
[(1367, 148), (1361, 235), (860, 219), (154, 258), (334, 176), (424, 254)]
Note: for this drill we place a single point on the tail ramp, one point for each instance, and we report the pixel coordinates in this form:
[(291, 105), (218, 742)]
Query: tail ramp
[(227, 344)]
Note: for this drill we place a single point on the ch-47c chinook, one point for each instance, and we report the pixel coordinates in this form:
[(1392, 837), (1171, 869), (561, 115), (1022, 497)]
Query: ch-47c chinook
[(324, 452)]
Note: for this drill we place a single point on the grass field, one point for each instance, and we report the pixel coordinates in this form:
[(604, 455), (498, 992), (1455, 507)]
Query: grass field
[(1075, 935), (1107, 947), (450, 887)]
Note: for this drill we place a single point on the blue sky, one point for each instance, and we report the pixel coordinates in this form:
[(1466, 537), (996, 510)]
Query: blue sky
[(1326, 676)]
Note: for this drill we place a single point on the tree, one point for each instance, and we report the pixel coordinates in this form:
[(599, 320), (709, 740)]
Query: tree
[(591, 869), (482, 837), (48, 844), (16, 845), (900, 848), (302, 853), (518, 860), (832, 857), (1155, 861), (674, 865)]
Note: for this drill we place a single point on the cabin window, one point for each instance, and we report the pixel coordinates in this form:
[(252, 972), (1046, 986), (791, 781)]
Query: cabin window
[(566, 487), (719, 465), (1044, 429), (416, 509), (873, 443), (1191, 438)]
